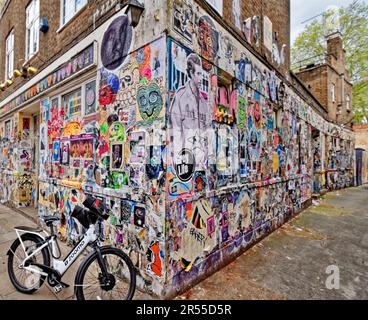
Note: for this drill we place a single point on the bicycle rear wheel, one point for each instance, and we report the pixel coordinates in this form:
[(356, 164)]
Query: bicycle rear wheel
[(90, 283), (23, 280)]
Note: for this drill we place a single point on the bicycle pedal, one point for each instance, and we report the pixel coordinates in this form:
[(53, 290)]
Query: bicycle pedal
[(57, 288), (64, 285)]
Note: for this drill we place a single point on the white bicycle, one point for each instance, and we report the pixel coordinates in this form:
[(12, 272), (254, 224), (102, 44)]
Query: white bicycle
[(106, 273)]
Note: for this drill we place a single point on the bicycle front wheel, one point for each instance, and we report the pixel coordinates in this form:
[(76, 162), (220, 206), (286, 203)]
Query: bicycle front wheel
[(91, 284)]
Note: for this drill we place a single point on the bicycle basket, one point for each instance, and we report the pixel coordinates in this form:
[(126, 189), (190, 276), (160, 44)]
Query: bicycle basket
[(83, 216)]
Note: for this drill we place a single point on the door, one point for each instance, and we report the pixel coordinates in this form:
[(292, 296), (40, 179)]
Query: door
[(359, 163)]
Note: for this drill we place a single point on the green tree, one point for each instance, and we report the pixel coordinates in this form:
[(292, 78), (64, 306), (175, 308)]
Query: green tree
[(352, 22)]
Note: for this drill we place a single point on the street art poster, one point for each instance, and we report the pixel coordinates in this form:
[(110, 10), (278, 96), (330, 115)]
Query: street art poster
[(267, 27), (139, 216), (26, 128), (117, 154), (190, 115), (150, 103), (65, 152), (137, 147), (182, 20), (56, 151), (116, 43), (208, 41)]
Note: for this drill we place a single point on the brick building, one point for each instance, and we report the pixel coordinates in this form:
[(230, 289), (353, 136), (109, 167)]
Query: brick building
[(189, 125), (329, 82)]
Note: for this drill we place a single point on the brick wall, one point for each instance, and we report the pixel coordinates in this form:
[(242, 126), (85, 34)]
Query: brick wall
[(361, 136), (316, 81), (278, 11), (52, 44)]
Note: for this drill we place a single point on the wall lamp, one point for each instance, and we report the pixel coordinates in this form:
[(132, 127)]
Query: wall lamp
[(25, 72), (5, 84), (134, 10)]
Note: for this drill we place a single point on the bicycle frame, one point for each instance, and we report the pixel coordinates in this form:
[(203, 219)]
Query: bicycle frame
[(61, 266)]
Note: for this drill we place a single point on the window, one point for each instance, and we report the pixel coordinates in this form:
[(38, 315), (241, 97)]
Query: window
[(72, 103), (333, 97), (216, 4), (32, 28), (70, 8), (9, 64), (347, 103)]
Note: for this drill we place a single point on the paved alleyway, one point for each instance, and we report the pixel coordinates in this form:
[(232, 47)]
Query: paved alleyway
[(291, 263)]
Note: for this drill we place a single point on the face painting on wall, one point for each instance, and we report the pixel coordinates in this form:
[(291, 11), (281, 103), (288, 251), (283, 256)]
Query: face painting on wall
[(150, 102), (116, 43)]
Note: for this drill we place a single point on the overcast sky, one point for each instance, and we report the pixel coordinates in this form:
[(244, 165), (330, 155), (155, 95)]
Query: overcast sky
[(302, 10)]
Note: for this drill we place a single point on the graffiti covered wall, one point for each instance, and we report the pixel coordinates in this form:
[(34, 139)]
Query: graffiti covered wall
[(112, 146), (241, 152), (17, 171), (197, 147)]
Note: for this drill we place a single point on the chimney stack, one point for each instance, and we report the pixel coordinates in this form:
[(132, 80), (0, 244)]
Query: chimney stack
[(335, 51)]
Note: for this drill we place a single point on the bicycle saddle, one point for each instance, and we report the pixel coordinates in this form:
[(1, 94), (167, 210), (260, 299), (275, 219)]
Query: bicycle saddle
[(50, 220)]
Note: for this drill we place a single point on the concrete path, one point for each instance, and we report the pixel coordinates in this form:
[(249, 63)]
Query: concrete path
[(292, 262)]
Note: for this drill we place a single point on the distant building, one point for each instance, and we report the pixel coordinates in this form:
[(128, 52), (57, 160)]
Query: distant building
[(361, 145), (329, 82)]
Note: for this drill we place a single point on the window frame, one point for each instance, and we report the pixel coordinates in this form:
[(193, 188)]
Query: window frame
[(68, 115), (32, 26), (83, 88), (63, 5), (218, 5), (9, 72)]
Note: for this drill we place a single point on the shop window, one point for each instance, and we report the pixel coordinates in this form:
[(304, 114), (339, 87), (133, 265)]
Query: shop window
[(90, 98), (32, 28), (216, 4), (70, 8), (9, 55), (72, 103)]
